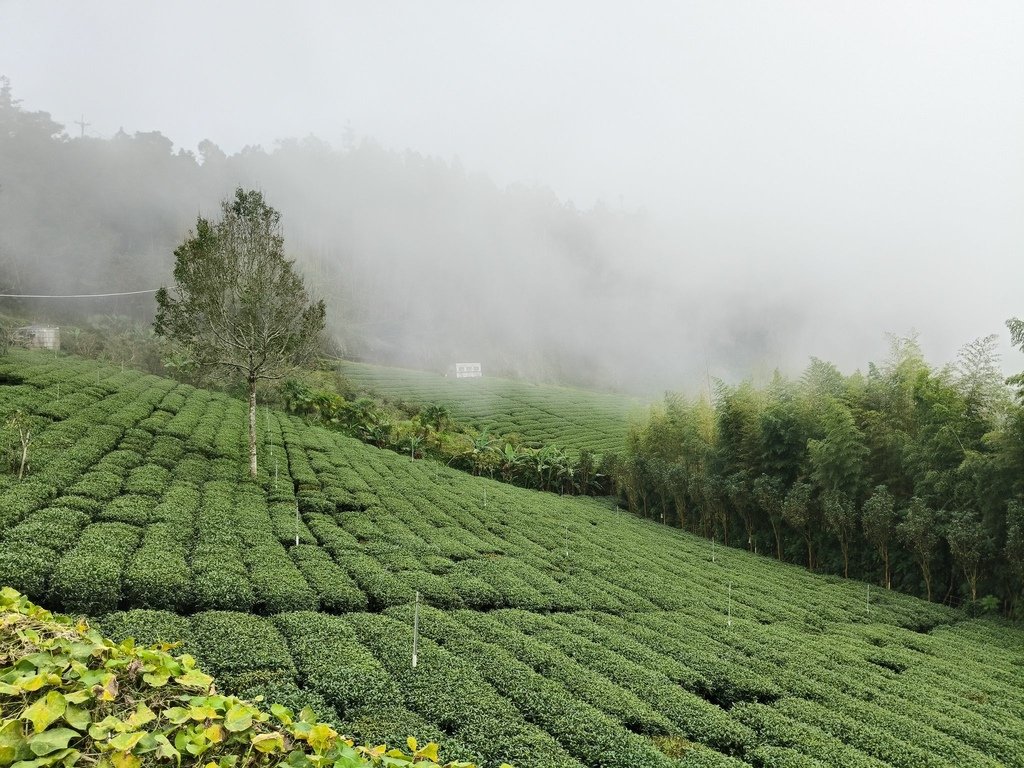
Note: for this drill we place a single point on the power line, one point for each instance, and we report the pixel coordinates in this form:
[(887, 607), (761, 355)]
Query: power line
[(73, 295)]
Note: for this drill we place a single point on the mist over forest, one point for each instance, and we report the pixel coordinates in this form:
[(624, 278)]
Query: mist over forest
[(422, 262)]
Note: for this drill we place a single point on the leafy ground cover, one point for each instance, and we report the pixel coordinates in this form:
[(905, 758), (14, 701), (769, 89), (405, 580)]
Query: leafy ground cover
[(69, 696), (553, 631), (573, 419)]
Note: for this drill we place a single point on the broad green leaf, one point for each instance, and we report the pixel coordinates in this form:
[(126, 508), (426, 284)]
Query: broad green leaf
[(238, 718), (156, 680), (78, 697), (66, 756), (52, 740), (44, 711), (166, 750), (282, 713), (177, 715), (77, 717)]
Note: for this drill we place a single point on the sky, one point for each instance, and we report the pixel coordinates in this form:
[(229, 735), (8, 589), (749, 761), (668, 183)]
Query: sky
[(863, 158)]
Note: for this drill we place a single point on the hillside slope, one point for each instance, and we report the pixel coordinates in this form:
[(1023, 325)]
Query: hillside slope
[(574, 419), (553, 631)]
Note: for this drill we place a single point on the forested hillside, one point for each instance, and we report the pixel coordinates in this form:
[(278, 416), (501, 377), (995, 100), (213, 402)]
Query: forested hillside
[(421, 262), (552, 631), (908, 475)]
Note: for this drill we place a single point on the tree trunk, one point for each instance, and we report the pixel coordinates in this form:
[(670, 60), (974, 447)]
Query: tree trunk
[(888, 577), (846, 559), (252, 428), (778, 541)]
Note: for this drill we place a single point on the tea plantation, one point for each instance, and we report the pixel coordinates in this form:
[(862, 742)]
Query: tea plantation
[(552, 631), (573, 419)]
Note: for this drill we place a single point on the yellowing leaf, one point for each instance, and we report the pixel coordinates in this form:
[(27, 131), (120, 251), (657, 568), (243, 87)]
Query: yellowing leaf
[(156, 680), (12, 741), (141, 716), (194, 679), (411, 742), (429, 752), (214, 733), (125, 760), (44, 711), (268, 742), (33, 683), (125, 742), (78, 697), (321, 737), (238, 718), (203, 713)]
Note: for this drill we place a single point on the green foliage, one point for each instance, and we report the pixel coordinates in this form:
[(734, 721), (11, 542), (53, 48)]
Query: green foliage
[(70, 697)]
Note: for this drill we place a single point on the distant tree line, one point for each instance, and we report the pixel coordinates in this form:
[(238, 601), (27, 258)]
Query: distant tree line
[(908, 476)]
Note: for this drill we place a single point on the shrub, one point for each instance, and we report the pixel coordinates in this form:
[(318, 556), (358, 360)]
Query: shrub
[(335, 589), (331, 662), (26, 567), (87, 579), (230, 643), (158, 575), (57, 528)]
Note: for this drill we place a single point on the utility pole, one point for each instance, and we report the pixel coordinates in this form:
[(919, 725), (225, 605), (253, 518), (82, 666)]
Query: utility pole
[(82, 125)]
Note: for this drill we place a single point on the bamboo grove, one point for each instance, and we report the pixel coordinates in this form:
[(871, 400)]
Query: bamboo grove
[(907, 476)]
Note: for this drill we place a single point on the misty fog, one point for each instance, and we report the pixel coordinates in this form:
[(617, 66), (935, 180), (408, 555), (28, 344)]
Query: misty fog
[(560, 192)]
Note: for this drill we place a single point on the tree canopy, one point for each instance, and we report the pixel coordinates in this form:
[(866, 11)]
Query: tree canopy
[(238, 304)]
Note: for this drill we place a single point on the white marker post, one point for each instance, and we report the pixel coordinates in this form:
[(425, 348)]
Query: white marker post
[(416, 631)]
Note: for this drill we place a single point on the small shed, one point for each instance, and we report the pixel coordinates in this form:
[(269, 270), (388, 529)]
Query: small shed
[(466, 370), (38, 337)]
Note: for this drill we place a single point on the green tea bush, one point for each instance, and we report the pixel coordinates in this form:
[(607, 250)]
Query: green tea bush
[(284, 523), (27, 567), (433, 589), (382, 588), (231, 642), (278, 584), (331, 662), (87, 579), (149, 479), (148, 627), (57, 528), (102, 485), (133, 509), (336, 591), (449, 692), (158, 575)]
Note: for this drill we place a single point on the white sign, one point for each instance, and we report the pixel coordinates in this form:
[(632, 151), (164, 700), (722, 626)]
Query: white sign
[(468, 371)]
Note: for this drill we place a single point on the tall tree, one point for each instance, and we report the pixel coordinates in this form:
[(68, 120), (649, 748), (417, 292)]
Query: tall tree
[(878, 518), (841, 519), (799, 511), (919, 531), (238, 303), (969, 543)]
